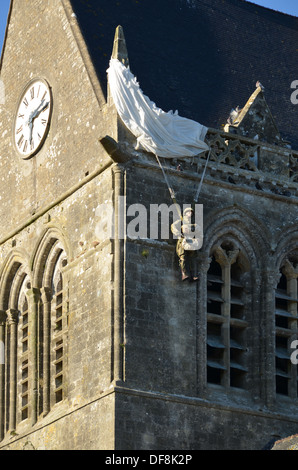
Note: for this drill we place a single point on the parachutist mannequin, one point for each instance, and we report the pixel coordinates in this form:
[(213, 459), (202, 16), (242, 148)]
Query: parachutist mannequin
[(186, 248)]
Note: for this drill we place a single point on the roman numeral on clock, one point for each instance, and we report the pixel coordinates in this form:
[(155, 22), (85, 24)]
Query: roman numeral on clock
[(21, 140)]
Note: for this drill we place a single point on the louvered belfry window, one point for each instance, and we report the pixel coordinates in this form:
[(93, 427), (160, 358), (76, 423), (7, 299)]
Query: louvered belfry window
[(23, 354), (226, 318), (15, 379), (52, 328), (286, 326), (33, 335)]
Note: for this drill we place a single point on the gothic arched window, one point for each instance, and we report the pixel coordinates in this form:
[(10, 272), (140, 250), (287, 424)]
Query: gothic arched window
[(23, 383), (16, 392), (226, 316), (33, 337), (52, 328), (286, 325)]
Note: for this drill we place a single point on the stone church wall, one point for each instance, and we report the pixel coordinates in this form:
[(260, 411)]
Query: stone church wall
[(88, 296), (136, 359), (64, 159), (166, 324)]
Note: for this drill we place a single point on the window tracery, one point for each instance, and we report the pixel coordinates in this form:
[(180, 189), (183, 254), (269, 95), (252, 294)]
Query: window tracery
[(33, 331)]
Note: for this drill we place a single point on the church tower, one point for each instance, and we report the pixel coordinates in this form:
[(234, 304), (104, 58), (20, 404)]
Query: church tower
[(103, 346)]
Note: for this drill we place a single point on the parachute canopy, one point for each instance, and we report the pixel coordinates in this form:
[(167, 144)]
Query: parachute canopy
[(166, 135)]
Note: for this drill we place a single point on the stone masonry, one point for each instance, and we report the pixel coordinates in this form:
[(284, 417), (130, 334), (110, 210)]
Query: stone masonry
[(133, 358)]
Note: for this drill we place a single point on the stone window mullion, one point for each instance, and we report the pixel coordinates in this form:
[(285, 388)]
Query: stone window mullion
[(226, 306), (12, 319), (33, 296), (3, 319), (46, 296)]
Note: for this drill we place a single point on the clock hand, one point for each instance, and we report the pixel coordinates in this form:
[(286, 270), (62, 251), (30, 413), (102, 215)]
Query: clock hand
[(31, 130), (34, 113), (37, 112)]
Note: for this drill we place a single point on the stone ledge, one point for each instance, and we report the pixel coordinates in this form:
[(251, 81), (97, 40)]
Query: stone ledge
[(194, 401)]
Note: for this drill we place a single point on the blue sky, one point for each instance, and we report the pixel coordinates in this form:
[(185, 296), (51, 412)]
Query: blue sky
[(285, 6), (4, 6)]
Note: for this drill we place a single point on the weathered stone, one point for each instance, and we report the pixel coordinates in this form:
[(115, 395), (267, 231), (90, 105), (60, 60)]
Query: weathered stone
[(128, 340)]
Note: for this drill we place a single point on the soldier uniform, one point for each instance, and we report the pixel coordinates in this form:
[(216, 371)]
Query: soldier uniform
[(186, 256)]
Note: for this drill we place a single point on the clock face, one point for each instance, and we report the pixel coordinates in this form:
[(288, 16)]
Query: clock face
[(33, 118)]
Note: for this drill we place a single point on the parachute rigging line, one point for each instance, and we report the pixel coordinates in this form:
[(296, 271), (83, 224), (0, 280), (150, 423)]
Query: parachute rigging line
[(171, 191)]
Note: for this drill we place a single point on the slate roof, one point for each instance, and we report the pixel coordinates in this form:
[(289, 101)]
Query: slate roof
[(201, 57)]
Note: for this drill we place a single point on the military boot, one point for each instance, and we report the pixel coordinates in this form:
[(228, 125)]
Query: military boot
[(184, 275)]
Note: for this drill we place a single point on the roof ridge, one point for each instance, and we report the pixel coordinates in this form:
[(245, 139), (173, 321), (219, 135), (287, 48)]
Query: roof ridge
[(267, 8), (276, 15)]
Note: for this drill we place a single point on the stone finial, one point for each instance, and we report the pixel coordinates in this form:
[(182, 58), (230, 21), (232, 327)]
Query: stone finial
[(119, 48), (254, 120)]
